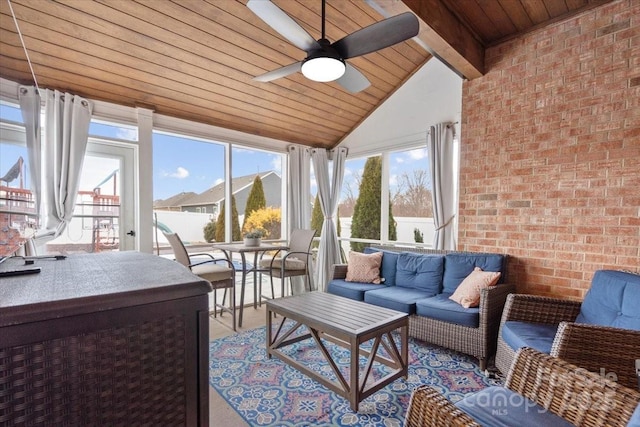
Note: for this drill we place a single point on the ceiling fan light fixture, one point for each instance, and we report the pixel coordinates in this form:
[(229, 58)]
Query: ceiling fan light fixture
[(323, 68)]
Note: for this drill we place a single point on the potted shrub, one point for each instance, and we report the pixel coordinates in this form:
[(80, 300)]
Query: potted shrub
[(253, 237)]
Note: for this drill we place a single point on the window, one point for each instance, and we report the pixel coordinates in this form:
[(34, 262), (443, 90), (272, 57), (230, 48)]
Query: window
[(188, 188), (264, 202), (17, 205), (410, 195)]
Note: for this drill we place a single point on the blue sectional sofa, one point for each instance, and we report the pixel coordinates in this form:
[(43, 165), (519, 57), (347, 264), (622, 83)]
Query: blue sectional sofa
[(601, 333), (420, 281)]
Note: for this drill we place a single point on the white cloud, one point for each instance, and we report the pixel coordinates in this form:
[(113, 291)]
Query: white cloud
[(128, 134), (399, 160), (418, 154), (218, 181), (180, 173), (393, 180), (276, 163)]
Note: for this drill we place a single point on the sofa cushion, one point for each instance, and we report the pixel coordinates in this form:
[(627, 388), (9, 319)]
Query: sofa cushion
[(524, 334), (388, 267), (352, 290), (499, 406), (422, 272), (364, 268), (440, 307), (396, 298), (612, 300), (457, 266), (468, 292)]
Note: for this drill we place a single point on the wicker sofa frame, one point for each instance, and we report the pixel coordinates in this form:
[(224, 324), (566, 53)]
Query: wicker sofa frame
[(479, 342), (601, 349), (555, 384)]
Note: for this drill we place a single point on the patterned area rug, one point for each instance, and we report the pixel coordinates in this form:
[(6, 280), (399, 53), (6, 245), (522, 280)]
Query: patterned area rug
[(268, 392)]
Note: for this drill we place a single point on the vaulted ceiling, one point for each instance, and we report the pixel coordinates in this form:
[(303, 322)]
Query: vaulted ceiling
[(195, 59)]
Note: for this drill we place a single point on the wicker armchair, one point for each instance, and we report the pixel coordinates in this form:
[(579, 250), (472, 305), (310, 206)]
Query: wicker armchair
[(554, 384), (601, 349), (479, 342)]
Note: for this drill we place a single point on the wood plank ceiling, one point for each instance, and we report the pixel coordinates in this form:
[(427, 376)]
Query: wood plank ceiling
[(195, 59)]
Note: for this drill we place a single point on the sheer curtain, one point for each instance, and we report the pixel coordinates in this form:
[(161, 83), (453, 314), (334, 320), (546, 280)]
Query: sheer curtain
[(55, 161), (329, 196), (441, 158), (298, 199)]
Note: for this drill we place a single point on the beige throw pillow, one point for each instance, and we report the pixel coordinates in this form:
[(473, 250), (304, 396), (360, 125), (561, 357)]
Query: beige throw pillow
[(468, 292), (364, 268)]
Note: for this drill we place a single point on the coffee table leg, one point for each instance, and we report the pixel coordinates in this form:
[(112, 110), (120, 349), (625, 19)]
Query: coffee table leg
[(354, 376), (268, 334), (405, 349)]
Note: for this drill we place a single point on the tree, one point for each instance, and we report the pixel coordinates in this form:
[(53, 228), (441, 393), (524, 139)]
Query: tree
[(366, 213), (235, 223), (317, 219), (256, 200), (210, 231), (418, 236), (413, 197), (266, 219)]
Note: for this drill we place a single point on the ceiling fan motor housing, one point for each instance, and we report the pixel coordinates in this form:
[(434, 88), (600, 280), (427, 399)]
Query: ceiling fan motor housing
[(324, 64)]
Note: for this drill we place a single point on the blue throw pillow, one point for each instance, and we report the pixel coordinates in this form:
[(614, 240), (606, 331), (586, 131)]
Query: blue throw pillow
[(423, 272), (459, 265), (388, 267)]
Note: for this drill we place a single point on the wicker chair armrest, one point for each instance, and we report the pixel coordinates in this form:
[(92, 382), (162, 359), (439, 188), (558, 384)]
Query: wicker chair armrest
[(430, 408), (609, 351), (492, 301), (564, 389), (538, 309), (339, 271)]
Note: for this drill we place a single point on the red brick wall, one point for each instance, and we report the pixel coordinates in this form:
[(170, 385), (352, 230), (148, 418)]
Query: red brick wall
[(550, 152)]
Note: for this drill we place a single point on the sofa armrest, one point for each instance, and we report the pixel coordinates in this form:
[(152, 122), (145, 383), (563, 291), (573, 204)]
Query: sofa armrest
[(339, 271), (492, 301), (538, 309), (430, 408), (608, 351), (579, 396)]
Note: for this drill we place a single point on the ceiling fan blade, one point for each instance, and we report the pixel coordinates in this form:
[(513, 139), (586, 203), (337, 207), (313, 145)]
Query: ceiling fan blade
[(378, 36), (273, 16), (280, 72), (353, 80)]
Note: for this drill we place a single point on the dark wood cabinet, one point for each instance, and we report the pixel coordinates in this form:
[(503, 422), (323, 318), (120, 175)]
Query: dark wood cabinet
[(104, 339)]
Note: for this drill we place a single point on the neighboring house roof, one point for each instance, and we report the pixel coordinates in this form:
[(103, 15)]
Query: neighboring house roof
[(175, 200), (215, 194)]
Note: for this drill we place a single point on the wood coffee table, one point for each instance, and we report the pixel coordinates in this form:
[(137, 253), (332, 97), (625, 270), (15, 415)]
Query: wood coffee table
[(345, 322)]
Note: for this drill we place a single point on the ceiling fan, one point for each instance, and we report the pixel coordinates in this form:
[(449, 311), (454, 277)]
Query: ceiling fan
[(325, 61)]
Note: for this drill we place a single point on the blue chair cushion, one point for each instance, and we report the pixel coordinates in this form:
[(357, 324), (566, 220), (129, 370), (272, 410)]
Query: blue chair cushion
[(500, 407), (396, 298), (524, 334), (634, 421), (458, 266), (421, 272), (353, 290), (612, 300), (388, 266), (440, 307)]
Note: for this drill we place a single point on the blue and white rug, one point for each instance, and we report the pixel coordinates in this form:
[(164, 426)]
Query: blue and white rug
[(268, 392)]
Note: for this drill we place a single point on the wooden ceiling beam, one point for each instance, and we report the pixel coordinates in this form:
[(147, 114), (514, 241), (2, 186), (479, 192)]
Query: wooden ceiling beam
[(442, 34)]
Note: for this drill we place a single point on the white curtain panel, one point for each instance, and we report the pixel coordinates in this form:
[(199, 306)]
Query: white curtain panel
[(60, 154), (30, 109), (441, 157), (329, 196), (298, 199)]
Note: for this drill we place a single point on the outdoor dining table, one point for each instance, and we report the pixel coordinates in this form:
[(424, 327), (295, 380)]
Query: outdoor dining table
[(242, 249)]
